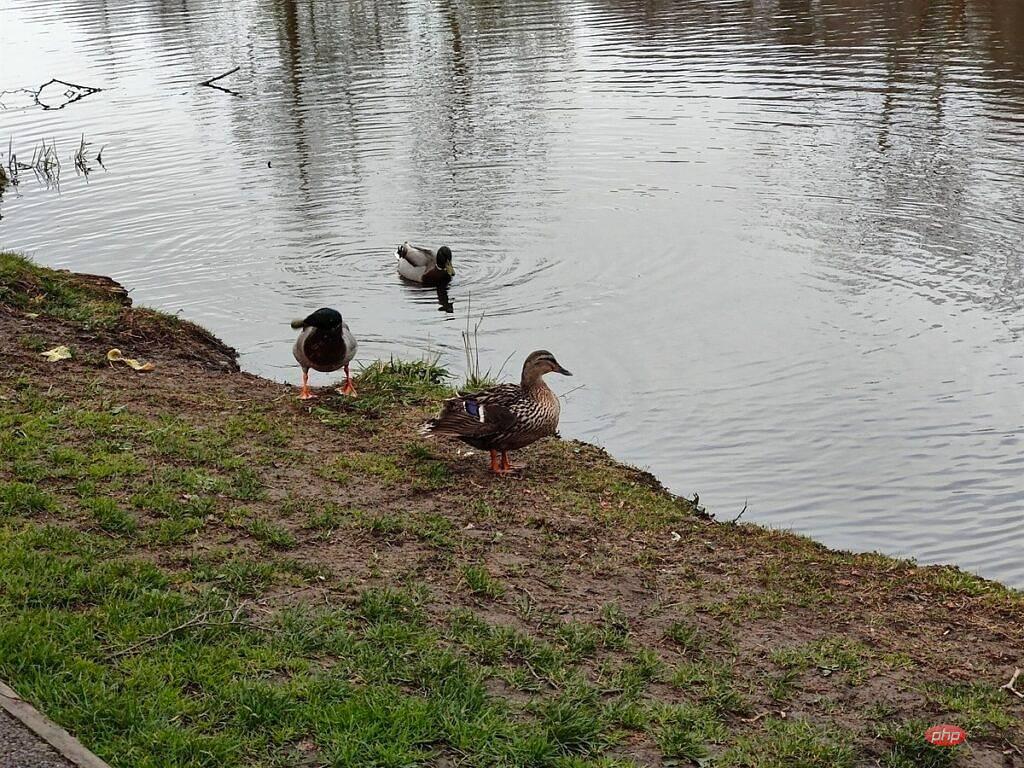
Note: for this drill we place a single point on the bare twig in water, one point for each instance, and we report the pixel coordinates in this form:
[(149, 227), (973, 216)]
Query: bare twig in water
[(212, 80), (1010, 685), (210, 83), (73, 93), (9, 91), (737, 518), (574, 389)]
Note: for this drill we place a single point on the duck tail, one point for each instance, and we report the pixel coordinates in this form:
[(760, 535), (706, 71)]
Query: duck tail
[(453, 421)]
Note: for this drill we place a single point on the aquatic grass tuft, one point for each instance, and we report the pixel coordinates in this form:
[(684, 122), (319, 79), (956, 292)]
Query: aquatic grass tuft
[(476, 377)]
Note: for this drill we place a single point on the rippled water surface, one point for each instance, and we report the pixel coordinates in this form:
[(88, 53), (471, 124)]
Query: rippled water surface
[(777, 241)]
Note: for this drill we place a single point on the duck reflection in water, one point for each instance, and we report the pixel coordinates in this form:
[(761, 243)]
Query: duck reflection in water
[(442, 298)]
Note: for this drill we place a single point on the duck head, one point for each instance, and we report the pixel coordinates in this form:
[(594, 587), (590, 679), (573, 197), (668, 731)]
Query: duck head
[(539, 363), (325, 319), (444, 260)]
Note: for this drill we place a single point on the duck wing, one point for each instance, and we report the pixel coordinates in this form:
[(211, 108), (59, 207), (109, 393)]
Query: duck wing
[(418, 257), (477, 414), (351, 345)]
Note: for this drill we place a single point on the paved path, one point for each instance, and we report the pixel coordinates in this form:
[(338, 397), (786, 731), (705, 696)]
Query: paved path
[(21, 748), (28, 739)]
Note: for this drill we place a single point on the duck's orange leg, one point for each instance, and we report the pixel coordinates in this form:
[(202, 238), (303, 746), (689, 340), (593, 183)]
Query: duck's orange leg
[(495, 466), (507, 467), (305, 394), (349, 388)]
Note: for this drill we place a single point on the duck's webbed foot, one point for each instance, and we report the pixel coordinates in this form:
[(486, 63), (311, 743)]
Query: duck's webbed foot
[(305, 394), (506, 467), (349, 388)]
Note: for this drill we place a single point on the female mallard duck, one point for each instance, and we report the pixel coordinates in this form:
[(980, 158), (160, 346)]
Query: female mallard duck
[(325, 344), (421, 265), (506, 417)]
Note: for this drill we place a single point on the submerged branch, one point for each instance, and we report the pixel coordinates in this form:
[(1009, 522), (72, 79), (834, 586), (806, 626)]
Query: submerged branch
[(210, 83)]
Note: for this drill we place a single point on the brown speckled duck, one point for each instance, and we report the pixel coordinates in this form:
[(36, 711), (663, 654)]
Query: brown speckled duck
[(506, 417), (325, 344)]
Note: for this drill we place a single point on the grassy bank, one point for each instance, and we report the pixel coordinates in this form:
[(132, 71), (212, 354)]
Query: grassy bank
[(196, 569)]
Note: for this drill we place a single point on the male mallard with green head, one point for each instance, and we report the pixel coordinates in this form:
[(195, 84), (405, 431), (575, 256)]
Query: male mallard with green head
[(422, 265), (506, 417), (325, 344)]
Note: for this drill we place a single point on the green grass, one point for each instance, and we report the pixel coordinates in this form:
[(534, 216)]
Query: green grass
[(789, 744), (325, 517), (910, 750), (979, 708), (578, 640), (238, 686), (176, 531), (830, 654), (687, 636), (480, 582), (572, 723), (615, 626), (685, 731), (781, 687), (163, 593), (109, 516), (246, 485), (385, 386), (31, 288), (270, 533), (238, 574), (713, 683), (18, 498)]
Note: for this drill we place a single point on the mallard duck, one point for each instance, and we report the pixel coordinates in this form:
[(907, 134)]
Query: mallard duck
[(506, 417), (421, 265), (325, 344)]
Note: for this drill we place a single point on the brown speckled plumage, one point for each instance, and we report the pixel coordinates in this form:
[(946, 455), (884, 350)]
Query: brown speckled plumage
[(506, 417)]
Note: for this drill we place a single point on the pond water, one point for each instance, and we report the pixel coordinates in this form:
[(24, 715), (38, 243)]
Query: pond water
[(777, 241)]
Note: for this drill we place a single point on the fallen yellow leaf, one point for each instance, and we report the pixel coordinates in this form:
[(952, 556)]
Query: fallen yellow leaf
[(57, 354), (115, 356)]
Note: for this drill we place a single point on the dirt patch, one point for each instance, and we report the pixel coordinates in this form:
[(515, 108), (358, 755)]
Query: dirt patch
[(629, 586)]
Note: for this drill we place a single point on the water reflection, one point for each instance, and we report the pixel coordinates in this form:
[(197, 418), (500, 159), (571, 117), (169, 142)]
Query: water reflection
[(781, 235)]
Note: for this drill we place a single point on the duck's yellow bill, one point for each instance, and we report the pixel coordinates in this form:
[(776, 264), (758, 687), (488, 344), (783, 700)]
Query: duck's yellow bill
[(449, 269)]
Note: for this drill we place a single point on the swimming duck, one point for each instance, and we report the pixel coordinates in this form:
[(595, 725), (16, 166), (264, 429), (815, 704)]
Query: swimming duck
[(325, 344), (506, 417), (421, 265)]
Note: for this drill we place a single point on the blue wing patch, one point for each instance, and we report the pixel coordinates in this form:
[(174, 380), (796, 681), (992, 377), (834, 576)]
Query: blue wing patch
[(472, 408)]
